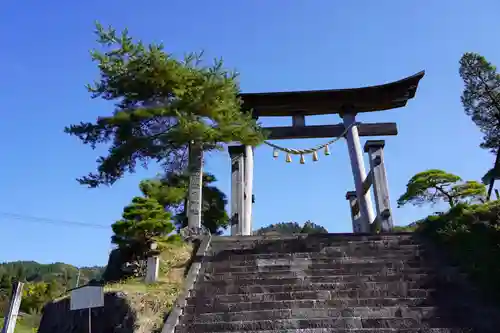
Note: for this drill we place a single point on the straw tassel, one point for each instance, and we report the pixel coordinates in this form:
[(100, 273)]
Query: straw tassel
[(275, 153), (327, 150), (315, 156), (302, 159), (288, 158)]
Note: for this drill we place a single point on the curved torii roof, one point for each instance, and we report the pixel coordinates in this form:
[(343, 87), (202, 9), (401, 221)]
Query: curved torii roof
[(318, 102)]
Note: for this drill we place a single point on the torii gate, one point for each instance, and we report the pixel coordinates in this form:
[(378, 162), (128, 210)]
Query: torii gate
[(299, 104)]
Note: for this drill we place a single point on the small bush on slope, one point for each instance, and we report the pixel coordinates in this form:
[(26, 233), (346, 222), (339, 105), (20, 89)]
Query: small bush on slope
[(152, 302)]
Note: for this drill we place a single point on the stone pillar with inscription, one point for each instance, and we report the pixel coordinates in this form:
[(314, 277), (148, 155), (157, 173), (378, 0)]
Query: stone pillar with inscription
[(358, 170), (153, 264), (375, 150), (195, 168), (237, 154)]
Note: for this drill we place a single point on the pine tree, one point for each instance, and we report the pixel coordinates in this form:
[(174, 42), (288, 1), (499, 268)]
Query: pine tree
[(481, 101), (434, 185), (162, 104), (143, 221), (171, 192)]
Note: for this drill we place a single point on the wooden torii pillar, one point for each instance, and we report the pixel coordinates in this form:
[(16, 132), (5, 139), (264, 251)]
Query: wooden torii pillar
[(358, 171), (375, 150), (348, 103), (241, 189)]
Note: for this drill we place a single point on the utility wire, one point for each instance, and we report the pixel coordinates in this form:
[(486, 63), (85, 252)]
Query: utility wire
[(28, 218)]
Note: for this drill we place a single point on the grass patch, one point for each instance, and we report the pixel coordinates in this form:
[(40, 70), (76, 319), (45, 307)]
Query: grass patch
[(152, 302), (25, 323)]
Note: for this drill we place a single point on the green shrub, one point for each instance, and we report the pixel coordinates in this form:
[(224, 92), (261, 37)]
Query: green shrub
[(470, 235)]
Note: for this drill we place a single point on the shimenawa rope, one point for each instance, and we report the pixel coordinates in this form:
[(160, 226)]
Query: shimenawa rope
[(309, 150)]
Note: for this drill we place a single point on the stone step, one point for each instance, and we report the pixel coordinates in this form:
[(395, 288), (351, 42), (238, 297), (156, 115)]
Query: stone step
[(296, 280), (314, 267), (333, 324), (397, 287), (197, 297), (416, 313), (295, 273), (324, 240), (330, 236), (297, 246), (211, 306), (319, 262), (414, 253), (278, 265), (355, 330), (339, 257)]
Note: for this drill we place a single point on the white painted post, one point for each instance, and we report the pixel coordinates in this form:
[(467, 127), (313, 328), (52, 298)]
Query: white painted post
[(355, 215), (358, 171), (375, 150), (153, 268), (153, 264), (195, 186), (234, 219), (78, 277), (247, 224), (240, 185), (237, 189), (13, 311)]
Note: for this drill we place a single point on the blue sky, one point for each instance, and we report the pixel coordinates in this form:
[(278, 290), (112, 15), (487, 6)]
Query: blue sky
[(275, 45)]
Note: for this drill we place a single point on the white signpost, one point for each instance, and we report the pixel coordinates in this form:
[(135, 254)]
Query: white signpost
[(87, 297), (15, 303)]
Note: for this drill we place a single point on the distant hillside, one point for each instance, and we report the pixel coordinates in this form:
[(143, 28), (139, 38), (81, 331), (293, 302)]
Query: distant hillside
[(44, 282), (64, 275), (290, 228)]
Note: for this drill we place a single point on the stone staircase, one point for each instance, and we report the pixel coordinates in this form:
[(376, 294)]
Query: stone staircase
[(331, 283)]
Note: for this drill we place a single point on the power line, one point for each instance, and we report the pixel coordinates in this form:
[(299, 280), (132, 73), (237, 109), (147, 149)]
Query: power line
[(28, 218)]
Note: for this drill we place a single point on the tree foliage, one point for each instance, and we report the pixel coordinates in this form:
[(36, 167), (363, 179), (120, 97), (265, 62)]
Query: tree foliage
[(143, 222), (490, 175), (481, 101), (313, 228), (481, 97), (162, 104), (171, 191), (37, 294), (43, 282), (470, 236), (289, 228), (435, 185)]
